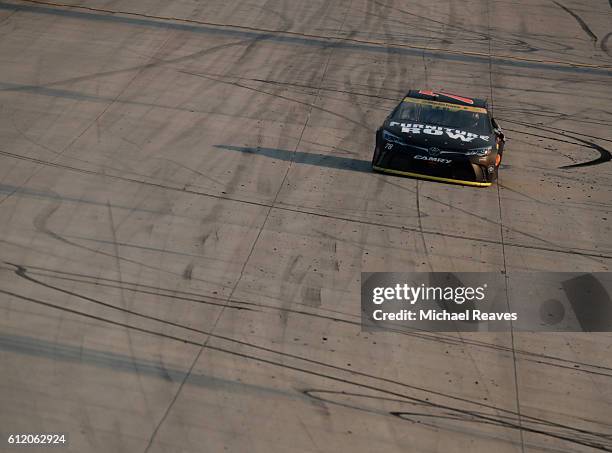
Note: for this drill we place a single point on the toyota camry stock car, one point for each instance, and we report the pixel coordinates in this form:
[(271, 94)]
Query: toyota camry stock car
[(440, 136)]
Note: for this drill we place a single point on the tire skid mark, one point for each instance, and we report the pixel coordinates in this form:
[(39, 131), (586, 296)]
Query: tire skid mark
[(594, 439), (153, 63), (476, 216), (96, 119), (124, 303), (604, 154), (580, 21), (334, 40), (515, 42), (301, 210), (421, 411), (604, 43), (561, 131), (306, 104), (317, 313), (40, 223)]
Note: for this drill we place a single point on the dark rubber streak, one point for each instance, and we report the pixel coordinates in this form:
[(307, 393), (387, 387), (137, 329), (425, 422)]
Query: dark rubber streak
[(604, 43), (174, 294), (605, 156), (582, 23), (570, 437), (130, 18), (299, 210)]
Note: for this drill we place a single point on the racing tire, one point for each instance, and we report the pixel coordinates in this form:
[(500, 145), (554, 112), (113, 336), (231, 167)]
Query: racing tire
[(498, 160), (376, 156)]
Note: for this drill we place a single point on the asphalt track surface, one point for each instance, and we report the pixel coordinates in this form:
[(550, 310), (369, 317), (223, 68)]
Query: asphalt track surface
[(186, 205)]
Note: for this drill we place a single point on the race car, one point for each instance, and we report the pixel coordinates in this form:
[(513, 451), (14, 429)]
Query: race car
[(442, 137)]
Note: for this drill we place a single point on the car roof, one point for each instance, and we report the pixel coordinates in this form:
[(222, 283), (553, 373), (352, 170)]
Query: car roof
[(447, 97)]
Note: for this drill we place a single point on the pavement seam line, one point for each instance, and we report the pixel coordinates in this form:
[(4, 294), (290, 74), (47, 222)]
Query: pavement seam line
[(503, 249)]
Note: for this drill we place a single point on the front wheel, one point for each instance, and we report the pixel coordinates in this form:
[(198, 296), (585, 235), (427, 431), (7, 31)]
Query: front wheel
[(495, 173), (376, 156)]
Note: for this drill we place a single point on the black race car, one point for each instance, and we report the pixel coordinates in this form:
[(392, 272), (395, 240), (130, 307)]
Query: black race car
[(440, 136)]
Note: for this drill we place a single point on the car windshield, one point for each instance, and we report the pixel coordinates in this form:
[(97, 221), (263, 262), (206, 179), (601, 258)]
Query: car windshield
[(471, 119)]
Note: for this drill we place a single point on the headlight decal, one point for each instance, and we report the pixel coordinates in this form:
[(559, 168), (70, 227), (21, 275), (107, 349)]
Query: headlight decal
[(480, 152)]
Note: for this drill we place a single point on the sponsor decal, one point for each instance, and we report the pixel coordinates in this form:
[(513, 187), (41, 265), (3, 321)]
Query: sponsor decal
[(433, 159), (455, 134)]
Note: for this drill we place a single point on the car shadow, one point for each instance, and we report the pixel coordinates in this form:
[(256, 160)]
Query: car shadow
[(303, 157)]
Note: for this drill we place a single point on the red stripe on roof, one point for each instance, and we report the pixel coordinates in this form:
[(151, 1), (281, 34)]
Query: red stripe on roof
[(452, 96), (427, 92), (458, 98)]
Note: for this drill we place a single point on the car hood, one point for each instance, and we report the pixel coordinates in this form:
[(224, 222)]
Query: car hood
[(433, 136)]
